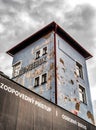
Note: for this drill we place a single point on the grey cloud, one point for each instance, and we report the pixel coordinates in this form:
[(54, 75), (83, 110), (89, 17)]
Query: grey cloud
[(81, 17), (79, 23), (40, 11)]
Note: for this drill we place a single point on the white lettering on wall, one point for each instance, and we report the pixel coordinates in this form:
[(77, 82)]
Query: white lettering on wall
[(25, 97), (64, 117)]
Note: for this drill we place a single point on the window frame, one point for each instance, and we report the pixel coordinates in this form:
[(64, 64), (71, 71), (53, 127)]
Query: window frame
[(45, 78), (38, 81), (79, 68), (14, 68), (82, 91), (37, 56), (44, 53)]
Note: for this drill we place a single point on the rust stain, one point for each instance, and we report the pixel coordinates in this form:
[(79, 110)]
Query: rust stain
[(58, 77), (61, 60), (77, 106), (74, 112), (65, 98), (51, 55), (51, 66), (90, 116), (38, 71), (50, 78), (48, 87), (75, 99), (27, 75)]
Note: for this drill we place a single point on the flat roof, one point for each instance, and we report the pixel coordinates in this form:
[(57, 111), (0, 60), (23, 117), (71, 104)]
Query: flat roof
[(47, 29)]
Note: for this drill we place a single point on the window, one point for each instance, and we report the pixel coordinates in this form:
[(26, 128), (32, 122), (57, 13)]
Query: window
[(44, 50), (16, 69), (36, 83), (82, 94), (44, 78), (79, 70), (38, 54)]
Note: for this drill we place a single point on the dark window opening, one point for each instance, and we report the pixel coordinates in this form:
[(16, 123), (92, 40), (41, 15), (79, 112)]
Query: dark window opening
[(44, 50), (44, 78), (16, 69), (38, 54), (36, 82)]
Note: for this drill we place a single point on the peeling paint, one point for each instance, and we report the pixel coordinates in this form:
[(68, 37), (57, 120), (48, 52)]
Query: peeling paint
[(77, 106), (51, 55), (51, 66), (61, 60), (75, 99), (50, 78), (27, 75), (74, 112), (90, 116)]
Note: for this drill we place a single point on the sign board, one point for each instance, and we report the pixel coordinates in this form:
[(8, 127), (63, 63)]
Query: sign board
[(21, 109)]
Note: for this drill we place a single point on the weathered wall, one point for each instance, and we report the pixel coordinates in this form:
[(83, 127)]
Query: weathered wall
[(68, 82), (27, 56)]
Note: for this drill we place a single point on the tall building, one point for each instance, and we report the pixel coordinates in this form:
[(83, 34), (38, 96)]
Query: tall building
[(52, 64)]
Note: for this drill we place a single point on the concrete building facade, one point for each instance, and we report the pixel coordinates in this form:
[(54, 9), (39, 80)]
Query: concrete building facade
[(52, 64)]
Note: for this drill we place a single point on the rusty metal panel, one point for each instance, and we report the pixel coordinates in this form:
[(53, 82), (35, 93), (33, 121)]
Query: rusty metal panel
[(21, 109)]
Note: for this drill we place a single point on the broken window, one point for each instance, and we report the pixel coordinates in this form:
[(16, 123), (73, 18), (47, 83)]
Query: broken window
[(16, 69), (44, 50), (36, 82), (82, 94), (44, 78), (79, 71), (38, 54)]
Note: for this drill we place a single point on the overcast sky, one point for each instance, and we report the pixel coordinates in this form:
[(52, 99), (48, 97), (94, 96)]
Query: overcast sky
[(20, 18)]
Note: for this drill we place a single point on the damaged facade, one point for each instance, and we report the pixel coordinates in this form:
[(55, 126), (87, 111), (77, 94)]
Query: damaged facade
[(53, 64)]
